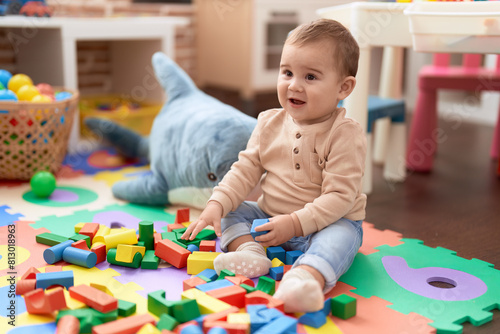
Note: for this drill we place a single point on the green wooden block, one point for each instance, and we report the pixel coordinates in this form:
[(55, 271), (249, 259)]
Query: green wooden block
[(141, 244), (78, 237), (180, 243), (225, 273), (206, 234), (126, 308), (146, 234), (157, 304), (50, 239), (172, 236), (150, 260), (167, 322), (136, 262), (344, 306), (89, 317), (248, 288), (266, 284), (205, 278), (185, 310)]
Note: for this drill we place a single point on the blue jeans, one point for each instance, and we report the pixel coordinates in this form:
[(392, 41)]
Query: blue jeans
[(329, 251)]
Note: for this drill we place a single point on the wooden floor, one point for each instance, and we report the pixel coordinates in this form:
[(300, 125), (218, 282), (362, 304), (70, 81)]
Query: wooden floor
[(456, 206)]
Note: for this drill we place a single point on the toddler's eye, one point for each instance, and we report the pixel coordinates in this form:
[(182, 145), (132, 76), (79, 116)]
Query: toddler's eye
[(212, 177), (288, 73), (310, 77)]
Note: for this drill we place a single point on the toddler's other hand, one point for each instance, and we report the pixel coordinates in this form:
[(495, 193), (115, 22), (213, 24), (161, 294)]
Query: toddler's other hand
[(281, 229), (210, 216)]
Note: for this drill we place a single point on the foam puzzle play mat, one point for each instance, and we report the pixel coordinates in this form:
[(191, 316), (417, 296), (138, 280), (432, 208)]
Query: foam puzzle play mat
[(81, 261)]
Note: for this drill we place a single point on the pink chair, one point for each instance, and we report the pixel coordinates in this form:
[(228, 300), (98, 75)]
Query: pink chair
[(424, 134)]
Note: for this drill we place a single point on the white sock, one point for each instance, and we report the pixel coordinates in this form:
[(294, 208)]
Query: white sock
[(249, 260), (300, 292)]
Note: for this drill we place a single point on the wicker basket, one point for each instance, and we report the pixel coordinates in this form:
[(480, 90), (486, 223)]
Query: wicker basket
[(34, 136)]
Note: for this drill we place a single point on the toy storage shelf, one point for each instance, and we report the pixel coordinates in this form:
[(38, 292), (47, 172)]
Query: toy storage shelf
[(45, 49)]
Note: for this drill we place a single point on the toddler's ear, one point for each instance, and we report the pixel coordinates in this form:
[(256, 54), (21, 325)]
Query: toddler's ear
[(347, 87)]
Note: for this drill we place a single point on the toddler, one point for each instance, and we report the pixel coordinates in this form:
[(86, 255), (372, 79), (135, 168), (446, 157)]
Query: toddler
[(309, 159)]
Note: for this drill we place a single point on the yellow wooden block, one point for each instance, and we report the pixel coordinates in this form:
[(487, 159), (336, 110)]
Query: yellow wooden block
[(126, 253), (78, 227), (206, 303), (101, 232), (101, 287), (148, 329), (328, 328), (186, 224), (71, 303), (199, 261), (127, 237), (277, 263), (118, 230), (238, 318)]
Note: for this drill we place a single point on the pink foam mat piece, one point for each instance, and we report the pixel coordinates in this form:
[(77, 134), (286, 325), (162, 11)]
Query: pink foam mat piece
[(373, 237)]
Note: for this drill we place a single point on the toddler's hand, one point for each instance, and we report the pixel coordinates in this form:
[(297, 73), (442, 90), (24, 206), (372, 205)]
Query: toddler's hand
[(210, 216), (281, 229)]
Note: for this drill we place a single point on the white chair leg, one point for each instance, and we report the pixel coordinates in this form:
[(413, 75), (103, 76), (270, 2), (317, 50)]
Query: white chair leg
[(381, 129), (395, 165), (367, 178)]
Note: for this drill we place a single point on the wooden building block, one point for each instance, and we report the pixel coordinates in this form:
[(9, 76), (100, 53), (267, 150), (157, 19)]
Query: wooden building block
[(149, 329), (240, 279), (255, 223), (77, 237), (101, 287), (199, 261), (100, 251), (344, 306), (81, 244), (233, 295), (207, 246), (182, 216), (78, 227), (55, 253), (292, 256), (191, 283), (150, 260), (30, 273), (136, 262), (225, 273), (60, 278), (208, 273), (172, 253), (166, 322), (157, 237), (80, 257), (101, 233), (217, 284), (40, 302), (94, 298), (172, 227), (88, 317), (90, 230), (267, 285), (276, 263), (50, 239), (276, 252), (207, 304), (238, 318), (68, 324), (259, 297), (128, 325), (126, 253), (24, 286), (146, 234), (276, 273), (123, 236)]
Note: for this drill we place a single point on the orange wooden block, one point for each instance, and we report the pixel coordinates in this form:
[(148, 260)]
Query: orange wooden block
[(179, 328), (286, 267), (220, 316), (30, 273), (82, 244), (172, 253), (165, 331), (100, 251), (90, 230), (233, 295), (240, 279), (94, 298), (207, 246), (24, 286), (45, 302), (230, 328), (68, 324), (53, 269), (128, 325), (157, 237), (192, 283), (171, 227), (259, 297), (182, 216)]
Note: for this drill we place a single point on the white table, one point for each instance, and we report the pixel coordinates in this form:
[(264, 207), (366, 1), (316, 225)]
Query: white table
[(45, 49)]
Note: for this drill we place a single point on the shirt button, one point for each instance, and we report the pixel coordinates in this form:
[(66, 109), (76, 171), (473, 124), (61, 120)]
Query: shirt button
[(297, 166), (298, 135), (296, 150)]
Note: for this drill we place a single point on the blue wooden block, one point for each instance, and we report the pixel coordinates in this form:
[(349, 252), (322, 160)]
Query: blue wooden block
[(276, 252), (256, 320), (80, 257), (192, 248), (292, 256), (328, 307), (55, 253), (217, 330), (313, 319), (209, 273), (258, 222), (276, 273), (279, 325), (214, 285), (63, 278), (191, 329)]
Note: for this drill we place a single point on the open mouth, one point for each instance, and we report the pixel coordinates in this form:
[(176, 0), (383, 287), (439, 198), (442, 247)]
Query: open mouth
[(296, 102)]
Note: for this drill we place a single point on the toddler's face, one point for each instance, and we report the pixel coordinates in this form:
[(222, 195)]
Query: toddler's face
[(308, 83)]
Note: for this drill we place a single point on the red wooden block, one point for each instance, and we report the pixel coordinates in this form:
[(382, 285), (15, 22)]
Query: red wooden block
[(166, 331), (94, 298), (24, 286), (220, 316), (30, 273), (192, 283), (89, 229), (259, 297), (207, 246), (179, 328), (171, 227), (68, 324), (128, 325), (230, 328), (157, 237), (240, 279), (100, 251), (182, 216), (45, 302), (53, 269), (81, 244), (233, 295), (286, 267), (172, 253)]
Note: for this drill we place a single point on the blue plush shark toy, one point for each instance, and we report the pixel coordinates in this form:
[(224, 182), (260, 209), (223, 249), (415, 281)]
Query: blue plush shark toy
[(193, 143)]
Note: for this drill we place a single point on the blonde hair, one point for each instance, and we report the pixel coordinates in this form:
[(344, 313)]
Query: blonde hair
[(346, 49)]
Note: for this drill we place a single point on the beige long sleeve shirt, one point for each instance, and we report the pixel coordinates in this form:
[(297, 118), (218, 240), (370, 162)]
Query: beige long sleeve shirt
[(314, 171)]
